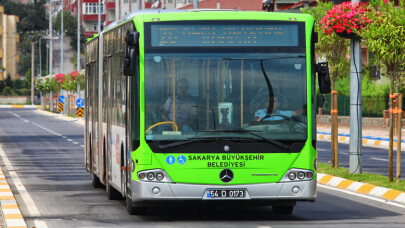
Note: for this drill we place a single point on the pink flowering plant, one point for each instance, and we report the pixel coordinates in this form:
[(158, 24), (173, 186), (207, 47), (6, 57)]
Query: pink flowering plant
[(346, 18)]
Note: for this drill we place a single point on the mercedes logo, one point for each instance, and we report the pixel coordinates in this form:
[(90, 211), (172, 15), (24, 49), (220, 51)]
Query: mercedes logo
[(226, 175)]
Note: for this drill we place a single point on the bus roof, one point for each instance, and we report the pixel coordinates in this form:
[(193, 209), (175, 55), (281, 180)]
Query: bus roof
[(208, 14)]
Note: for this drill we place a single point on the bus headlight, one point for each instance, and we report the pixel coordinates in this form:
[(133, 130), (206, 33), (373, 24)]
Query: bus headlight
[(155, 175), (297, 175)]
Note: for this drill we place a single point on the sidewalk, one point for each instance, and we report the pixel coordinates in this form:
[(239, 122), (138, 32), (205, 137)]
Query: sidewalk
[(20, 106), (376, 137)]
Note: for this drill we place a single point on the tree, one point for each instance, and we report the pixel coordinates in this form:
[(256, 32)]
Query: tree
[(385, 36), (27, 80), (70, 27), (335, 50), (9, 82), (32, 25)]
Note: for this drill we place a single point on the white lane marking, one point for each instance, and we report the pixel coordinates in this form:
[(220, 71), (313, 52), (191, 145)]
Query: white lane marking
[(364, 196), (322, 149), (28, 202), (64, 137), (344, 153), (58, 134), (75, 143), (70, 140), (379, 159), (82, 146), (15, 115)]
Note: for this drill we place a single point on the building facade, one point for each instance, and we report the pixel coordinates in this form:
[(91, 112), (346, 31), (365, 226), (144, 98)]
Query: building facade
[(112, 10), (9, 39)]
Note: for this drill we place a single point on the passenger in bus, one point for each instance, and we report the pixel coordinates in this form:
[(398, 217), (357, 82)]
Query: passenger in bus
[(185, 108), (262, 115)]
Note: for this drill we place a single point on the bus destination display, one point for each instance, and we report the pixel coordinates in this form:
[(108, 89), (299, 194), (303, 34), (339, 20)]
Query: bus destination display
[(232, 35)]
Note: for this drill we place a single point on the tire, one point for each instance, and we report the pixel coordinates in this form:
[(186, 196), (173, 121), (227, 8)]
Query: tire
[(132, 209), (283, 210), (95, 181)]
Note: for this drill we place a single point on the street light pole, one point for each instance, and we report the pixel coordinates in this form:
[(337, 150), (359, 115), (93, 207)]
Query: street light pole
[(40, 57), (195, 4), (61, 41), (78, 45), (78, 34), (50, 41), (99, 17), (32, 72)]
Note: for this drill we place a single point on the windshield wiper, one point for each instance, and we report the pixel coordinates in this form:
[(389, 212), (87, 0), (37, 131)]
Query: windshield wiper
[(180, 143), (270, 141)]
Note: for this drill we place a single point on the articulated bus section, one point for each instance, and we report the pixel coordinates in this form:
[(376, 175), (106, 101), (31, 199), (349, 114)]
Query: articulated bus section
[(215, 107)]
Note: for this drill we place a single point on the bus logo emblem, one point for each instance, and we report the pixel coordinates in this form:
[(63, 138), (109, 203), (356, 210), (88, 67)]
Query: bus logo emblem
[(226, 175)]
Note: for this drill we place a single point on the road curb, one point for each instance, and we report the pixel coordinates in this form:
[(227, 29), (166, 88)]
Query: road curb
[(366, 141), (362, 188), (20, 106), (11, 216)]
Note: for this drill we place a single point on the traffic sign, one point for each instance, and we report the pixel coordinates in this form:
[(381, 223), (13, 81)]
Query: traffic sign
[(79, 112), (79, 103), (181, 159), (60, 107), (60, 99)]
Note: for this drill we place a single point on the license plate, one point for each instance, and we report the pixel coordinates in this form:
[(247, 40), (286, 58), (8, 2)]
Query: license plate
[(226, 193)]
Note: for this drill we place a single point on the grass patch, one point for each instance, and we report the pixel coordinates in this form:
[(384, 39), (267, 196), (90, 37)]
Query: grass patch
[(374, 179)]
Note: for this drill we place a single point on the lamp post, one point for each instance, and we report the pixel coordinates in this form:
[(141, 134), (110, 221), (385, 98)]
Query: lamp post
[(32, 71), (61, 40)]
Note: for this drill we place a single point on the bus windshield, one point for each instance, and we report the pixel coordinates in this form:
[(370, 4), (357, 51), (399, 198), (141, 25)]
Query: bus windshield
[(225, 95)]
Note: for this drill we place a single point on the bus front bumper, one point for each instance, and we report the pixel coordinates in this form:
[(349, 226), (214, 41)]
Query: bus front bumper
[(291, 191)]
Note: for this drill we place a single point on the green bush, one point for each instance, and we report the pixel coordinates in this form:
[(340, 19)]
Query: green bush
[(8, 91)]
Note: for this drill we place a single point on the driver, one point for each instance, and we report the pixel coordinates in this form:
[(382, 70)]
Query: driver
[(262, 115), (185, 108)]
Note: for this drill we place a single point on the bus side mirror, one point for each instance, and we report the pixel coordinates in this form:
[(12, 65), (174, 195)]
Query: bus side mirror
[(131, 53), (323, 77)]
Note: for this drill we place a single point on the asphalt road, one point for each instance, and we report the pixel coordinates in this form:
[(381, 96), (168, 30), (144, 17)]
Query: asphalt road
[(375, 160), (45, 168)]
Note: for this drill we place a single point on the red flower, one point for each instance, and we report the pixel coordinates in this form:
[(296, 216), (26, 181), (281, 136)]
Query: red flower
[(345, 17)]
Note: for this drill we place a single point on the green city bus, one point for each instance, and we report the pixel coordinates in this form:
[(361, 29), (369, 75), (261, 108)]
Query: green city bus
[(204, 106)]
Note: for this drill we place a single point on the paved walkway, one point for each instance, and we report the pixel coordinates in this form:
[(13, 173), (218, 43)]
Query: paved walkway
[(375, 137)]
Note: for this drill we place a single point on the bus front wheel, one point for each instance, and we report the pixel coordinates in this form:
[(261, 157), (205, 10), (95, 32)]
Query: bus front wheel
[(132, 209), (283, 210)]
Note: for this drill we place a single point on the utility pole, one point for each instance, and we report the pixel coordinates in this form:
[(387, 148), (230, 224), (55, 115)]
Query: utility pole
[(40, 57), (32, 72), (99, 17), (355, 165), (78, 45), (50, 40), (61, 41), (139, 5), (50, 51), (195, 4)]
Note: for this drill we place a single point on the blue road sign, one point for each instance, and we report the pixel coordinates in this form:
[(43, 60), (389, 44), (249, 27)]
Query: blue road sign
[(181, 159), (170, 160), (79, 103), (60, 99)]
